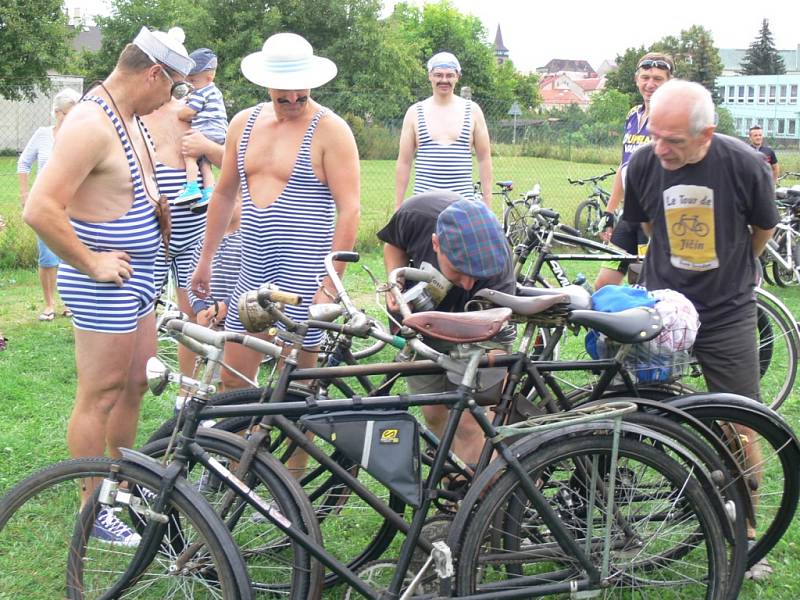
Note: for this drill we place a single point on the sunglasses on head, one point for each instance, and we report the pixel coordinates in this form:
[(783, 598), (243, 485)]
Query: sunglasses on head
[(655, 63), (179, 89)]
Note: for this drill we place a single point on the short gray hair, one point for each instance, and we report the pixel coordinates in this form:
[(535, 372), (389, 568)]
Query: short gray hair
[(65, 99), (691, 94)]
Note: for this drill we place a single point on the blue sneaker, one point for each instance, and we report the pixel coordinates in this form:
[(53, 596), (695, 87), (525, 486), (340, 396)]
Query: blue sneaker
[(108, 528), (190, 193)]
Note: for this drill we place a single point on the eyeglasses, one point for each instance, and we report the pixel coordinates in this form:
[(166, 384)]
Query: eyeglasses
[(179, 89), (655, 64)]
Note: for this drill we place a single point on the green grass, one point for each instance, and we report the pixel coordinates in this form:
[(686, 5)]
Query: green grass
[(38, 385)]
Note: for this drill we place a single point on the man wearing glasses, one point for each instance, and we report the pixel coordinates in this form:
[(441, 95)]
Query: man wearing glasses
[(95, 205), (652, 71), (442, 130)]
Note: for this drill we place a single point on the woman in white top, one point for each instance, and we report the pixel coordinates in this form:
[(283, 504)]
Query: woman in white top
[(38, 149)]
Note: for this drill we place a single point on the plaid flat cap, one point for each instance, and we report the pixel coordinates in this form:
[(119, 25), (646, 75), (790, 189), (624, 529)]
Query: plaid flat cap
[(472, 239)]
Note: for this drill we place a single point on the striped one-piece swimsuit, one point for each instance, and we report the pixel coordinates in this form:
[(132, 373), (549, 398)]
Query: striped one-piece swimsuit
[(286, 242), (102, 306), (444, 166), (187, 228)]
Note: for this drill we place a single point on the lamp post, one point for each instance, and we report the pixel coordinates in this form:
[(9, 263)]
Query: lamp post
[(514, 111)]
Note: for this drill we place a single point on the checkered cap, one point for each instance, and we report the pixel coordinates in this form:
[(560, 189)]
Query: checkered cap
[(472, 239)]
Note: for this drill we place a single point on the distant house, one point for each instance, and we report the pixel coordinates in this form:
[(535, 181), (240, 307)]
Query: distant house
[(561, 89), (576, 69)]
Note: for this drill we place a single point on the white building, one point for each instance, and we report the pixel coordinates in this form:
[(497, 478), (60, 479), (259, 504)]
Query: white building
[(770, 101)]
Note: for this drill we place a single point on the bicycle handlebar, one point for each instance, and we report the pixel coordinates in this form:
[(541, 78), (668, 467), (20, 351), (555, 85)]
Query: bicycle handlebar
[(218, 339), (594, 179), (267, 295), (341, 293)]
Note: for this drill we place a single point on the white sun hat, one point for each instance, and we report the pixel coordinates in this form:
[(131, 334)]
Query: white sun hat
[(287, 62)]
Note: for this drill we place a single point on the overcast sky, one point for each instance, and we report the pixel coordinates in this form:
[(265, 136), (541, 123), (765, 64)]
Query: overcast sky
[(536, 31)]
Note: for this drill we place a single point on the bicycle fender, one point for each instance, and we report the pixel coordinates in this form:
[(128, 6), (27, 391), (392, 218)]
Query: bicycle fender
[(710, 400)]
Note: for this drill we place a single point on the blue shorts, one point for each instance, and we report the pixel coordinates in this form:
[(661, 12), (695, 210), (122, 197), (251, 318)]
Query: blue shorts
[(47, 258)]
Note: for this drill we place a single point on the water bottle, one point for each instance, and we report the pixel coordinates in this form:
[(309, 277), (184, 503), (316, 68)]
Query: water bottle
[(580, 279)]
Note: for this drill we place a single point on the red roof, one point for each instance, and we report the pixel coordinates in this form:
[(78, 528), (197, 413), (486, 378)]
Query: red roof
[(590, 84), (550, 96)]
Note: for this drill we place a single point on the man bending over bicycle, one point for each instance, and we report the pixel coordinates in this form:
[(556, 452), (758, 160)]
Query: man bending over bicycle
[(464, 241)]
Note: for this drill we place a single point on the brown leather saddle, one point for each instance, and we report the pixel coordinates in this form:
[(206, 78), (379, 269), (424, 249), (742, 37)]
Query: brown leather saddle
[(459, 328)]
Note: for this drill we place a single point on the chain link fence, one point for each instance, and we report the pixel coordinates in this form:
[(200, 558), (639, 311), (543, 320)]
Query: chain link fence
[(526, 149)]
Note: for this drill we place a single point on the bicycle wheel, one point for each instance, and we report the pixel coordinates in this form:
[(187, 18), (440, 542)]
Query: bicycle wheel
[(46, 550), (664, 532), (336, 506), (517, 219), (587, 217), (771, 469), (778, 350), (782, 276), (277, 565)]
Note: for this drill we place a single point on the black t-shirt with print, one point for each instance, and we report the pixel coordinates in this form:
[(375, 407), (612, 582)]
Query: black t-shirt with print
[(701, 244), (410, 229)]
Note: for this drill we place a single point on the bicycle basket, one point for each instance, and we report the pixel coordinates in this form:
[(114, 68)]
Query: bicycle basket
[(384, 443), (650, 363)]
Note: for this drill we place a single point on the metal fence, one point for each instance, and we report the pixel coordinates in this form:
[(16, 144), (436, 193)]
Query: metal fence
[(527, 150)]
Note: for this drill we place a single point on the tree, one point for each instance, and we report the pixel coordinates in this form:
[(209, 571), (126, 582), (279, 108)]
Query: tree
[(34, 38), (621, 79), (762, 58)]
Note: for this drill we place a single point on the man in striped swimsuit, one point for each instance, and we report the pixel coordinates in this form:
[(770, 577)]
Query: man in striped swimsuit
[(297, 166), (93, 206), (443, 130)]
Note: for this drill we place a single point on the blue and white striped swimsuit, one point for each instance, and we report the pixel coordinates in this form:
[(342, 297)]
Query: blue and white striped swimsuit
[(187, 228), (444, 166), (286, 242), (102, 306)]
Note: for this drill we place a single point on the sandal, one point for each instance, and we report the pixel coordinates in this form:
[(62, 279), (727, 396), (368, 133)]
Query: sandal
[(47, 316)]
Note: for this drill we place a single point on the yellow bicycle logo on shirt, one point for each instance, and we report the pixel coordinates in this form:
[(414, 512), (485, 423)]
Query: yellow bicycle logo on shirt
[(687, 224)]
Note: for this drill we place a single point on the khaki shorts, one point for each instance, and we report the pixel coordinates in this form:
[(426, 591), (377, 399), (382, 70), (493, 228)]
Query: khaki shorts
[(490, 384)]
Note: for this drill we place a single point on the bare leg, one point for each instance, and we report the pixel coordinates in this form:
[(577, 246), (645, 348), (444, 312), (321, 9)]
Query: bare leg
[(47, 277), (192, 169), (111, 383), (207, 173), (607, 276), (469, 438)]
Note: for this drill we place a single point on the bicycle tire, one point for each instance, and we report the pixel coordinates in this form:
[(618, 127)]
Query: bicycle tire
[(329, 496), (41, 514), (778, 350), (264, 547), (587, 217), (781, 477), (470, 537), (517, 219)]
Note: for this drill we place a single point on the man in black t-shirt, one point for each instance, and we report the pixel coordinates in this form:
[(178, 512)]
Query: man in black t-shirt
[(465, 242), (707, 202), (756, 135)]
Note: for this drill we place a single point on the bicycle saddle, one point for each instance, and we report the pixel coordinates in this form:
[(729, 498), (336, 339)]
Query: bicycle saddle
[(579, 298), (505, 184), (626, 326), (525, 307), (459, 328)]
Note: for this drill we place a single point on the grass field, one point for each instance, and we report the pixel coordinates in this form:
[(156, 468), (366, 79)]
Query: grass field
[(37, 372), (37, 386)]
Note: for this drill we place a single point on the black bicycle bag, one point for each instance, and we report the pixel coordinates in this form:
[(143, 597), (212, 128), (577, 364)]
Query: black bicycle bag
[(385, 443)]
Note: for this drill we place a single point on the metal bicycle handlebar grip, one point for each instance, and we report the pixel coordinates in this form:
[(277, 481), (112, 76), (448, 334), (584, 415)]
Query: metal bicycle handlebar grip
[(197, 332)]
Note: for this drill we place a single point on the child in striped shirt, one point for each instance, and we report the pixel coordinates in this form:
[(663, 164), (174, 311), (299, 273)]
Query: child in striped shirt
[(205, 110)]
